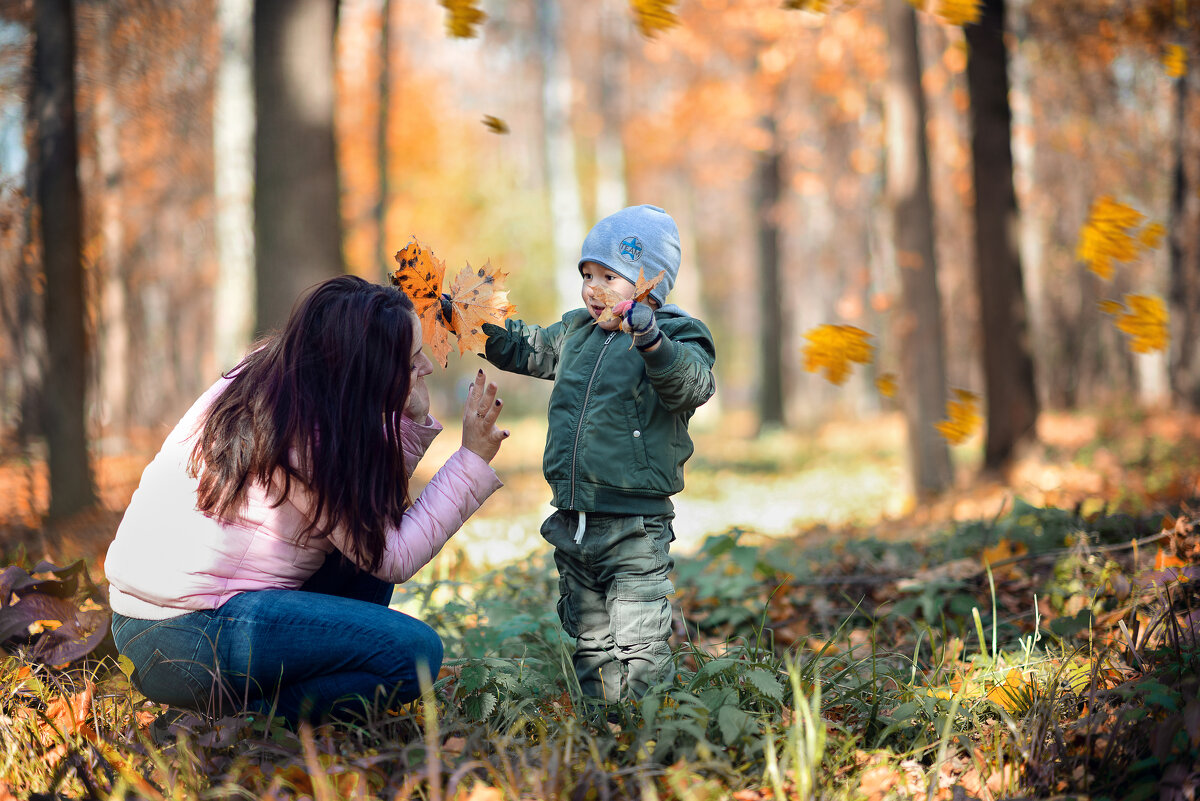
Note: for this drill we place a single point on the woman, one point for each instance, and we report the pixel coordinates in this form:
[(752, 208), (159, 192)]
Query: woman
[(256, 559)]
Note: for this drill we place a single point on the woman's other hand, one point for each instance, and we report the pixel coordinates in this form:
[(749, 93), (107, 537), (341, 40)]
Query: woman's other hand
[(479, 432)]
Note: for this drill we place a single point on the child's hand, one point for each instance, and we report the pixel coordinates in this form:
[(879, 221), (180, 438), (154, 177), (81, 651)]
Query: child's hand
[(479, 432), (639, 320)]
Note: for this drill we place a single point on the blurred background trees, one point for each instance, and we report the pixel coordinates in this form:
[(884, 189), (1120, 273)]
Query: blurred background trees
[(231, 152)]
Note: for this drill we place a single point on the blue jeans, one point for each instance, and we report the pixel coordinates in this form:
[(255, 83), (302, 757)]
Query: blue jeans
[(330, 649)]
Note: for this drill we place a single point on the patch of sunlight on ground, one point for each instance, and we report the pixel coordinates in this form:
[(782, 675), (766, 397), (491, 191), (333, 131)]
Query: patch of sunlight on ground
[(776, 485)]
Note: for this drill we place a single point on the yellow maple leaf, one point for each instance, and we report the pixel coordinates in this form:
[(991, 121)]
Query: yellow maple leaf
[(1105, 236), (1152, 236), (886, 384), (1015, 694), (833, 347), (1146, 322), (1175, 61), (654, 16), (815, 6), (462, 18), (1111, 306), (960, 12), (962, 417)]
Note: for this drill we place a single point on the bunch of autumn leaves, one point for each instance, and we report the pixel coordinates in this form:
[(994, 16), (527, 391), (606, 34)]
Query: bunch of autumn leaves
[(1113, 233)]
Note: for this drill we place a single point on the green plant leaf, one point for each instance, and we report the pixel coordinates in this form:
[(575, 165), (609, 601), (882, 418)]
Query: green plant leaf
[(766, 684), (733, 723)]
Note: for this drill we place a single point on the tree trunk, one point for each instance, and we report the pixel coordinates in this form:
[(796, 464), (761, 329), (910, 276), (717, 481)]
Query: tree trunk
[(233, 166), (1011, 394), (566, 207), (298, 232), (1184, 262), (769, 186), (382, 257), (919, 326), (59, 203)]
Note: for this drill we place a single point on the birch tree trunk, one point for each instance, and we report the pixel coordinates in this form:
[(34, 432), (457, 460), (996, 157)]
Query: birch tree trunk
[(919, 326), (566, 208), (233, 166)]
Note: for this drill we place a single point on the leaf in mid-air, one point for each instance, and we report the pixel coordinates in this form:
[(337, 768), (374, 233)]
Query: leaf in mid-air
[(462, 18), (886, 384), (832, 348), (962, 417), (475, 297), (1107, 236), (495, 124), (1175, 61), (960, 12), (1144, 318), (654, 16)]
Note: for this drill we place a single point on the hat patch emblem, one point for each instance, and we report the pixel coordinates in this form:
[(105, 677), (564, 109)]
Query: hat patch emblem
[(631, 248)]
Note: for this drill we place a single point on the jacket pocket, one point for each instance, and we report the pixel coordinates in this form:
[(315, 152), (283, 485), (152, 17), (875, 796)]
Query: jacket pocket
[(641, 612), (635, 436)]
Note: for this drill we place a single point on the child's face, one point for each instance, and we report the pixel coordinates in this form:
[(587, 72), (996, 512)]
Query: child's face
[(596, 276)]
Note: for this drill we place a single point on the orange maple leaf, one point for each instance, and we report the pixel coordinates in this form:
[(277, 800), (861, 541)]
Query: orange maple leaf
[(475, 297)]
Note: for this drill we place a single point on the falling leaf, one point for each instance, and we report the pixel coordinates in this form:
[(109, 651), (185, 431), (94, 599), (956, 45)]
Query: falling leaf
[(815, 6), (960, 12), (962, 417), (1152, 236), (462, 18), (1105, 237), (476, 296), (833, 347), (886, 384), (1175, 61), (654, 16), (495, 124), (1144, 318)]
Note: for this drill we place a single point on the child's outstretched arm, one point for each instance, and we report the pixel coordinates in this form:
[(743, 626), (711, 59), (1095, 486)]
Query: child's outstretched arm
[(522, 348), (679, 359)]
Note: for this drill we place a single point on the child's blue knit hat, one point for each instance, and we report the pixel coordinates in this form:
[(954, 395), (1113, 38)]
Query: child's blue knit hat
[(636, 238)]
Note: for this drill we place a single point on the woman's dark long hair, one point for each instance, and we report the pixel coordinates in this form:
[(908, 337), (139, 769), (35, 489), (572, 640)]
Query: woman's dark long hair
[(319, 403)]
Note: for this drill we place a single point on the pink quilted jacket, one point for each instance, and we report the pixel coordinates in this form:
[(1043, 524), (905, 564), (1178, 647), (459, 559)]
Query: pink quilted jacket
[(168, 559)]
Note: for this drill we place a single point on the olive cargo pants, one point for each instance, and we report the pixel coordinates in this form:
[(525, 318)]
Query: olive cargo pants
[(613, 586)]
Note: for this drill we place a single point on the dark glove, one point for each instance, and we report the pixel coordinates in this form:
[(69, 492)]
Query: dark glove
[(492, 330), (639, 320)]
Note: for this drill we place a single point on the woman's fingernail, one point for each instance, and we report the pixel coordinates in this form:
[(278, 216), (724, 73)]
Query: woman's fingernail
[(497, 401)]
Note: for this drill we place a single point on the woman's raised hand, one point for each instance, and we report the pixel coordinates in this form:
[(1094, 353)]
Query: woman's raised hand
[(479, 432)]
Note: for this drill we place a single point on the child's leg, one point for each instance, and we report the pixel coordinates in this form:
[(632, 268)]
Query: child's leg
[(639, 562), (583, 610)]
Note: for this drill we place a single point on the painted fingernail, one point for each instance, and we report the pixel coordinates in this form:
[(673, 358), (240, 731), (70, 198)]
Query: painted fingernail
[(497, 401), (480, 371)]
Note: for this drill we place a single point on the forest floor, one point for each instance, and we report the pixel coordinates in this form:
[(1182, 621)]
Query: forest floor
[(1029, 635)]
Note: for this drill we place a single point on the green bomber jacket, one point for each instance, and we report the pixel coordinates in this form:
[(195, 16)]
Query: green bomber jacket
[(617, 435)]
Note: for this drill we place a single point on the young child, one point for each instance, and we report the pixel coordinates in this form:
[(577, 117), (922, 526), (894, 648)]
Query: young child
[(616, 445)]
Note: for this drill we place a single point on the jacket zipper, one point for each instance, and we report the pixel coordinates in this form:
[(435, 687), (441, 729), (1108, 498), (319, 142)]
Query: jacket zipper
[(587, 394)]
